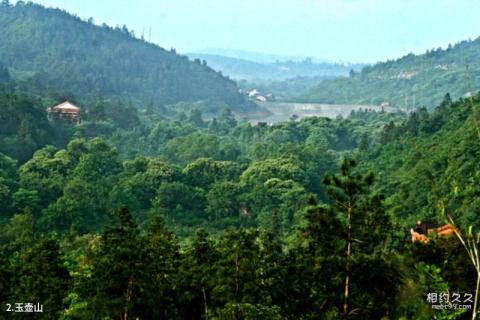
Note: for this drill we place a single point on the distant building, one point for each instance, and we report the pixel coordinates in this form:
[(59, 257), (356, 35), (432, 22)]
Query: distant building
[(66, 110), (261, 99), (253, 93)]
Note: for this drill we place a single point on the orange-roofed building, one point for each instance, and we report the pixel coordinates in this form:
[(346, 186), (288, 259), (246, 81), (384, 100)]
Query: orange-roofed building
[(421, 232), (67, 110)]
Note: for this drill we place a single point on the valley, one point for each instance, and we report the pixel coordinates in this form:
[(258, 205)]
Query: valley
[(284, 111)]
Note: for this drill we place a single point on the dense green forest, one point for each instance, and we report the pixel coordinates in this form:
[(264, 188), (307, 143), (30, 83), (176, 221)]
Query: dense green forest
[(219, 219), (408, 82), (51, 50), (158, 211)]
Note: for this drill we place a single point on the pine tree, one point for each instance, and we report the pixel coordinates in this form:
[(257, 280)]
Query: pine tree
[(314, 268), (5, 275), (364, 143), (159, 277), (113, 289), (237, 269), (40, 277), (196, 118), (198, 275), (366, 229)]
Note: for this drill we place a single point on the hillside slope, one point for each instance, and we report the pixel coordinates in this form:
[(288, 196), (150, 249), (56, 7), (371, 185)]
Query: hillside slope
[(431, 158), (51, 50), (411, 81)]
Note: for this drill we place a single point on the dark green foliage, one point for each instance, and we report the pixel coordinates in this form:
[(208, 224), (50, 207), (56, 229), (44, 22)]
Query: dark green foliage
[(40, 277), (197, 275), (367, 228), (237, 270), (200, 145), (196, 118), (431, 157), (314, 270), (115, 275), (25, 127), (341, 241), (62, 53), (124, 117), (4, 75), (139, 181), (163, 260), (5, 275), (7, 184)]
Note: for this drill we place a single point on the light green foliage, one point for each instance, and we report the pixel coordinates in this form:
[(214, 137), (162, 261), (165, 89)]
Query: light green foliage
[(203, 172), (188, 148), (246, 311), (284, 169), (139, 181)]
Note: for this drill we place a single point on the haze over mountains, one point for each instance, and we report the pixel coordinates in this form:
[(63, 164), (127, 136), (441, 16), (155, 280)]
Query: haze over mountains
[(259, 66), (244, 69), (408, 82), (254, 56)]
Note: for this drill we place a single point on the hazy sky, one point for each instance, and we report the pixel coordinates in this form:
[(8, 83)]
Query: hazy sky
[(346, 30)]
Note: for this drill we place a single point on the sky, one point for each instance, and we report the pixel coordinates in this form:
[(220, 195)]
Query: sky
[(339, 30)]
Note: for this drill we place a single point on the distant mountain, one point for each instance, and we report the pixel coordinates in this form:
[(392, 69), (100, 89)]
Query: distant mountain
[(258, 57), (411, 81), (52, 50), (244, 69)]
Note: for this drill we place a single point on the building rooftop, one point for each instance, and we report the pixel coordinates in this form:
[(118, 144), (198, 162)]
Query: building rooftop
[(66, 106)]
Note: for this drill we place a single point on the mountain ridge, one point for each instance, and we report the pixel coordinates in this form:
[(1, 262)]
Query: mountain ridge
[(244, 69), (408, 82), (76, 57)]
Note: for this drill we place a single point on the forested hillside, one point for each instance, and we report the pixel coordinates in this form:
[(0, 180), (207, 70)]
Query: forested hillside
[(409, 82), (49, 50), (432, 158)]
